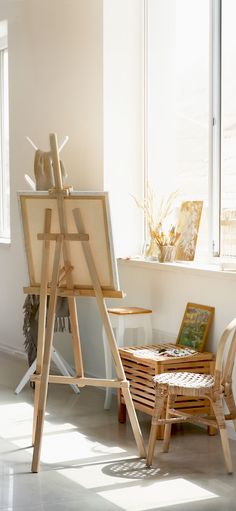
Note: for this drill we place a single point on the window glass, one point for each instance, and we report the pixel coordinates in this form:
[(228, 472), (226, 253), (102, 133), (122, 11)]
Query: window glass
[(228, 133), (4, 137), (178, 102)]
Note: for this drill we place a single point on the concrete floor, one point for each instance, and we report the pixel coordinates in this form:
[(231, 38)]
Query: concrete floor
[(90, 462)]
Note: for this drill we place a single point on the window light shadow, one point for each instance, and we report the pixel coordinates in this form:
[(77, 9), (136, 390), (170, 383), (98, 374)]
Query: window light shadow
[(159, 494), (129, 484)]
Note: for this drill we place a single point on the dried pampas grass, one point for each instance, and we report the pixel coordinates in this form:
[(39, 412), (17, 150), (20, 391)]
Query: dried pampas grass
[(156, 216)]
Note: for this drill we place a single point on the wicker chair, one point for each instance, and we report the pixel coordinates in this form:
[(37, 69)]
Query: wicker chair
[(217, 388)]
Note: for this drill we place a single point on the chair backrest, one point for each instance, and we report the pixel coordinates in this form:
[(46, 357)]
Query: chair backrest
[(229, 361)]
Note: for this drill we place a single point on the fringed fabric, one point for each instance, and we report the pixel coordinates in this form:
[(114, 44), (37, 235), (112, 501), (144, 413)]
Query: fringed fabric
[(30, 323)]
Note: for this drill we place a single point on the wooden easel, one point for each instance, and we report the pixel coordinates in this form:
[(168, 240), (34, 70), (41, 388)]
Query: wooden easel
[(64, 273)]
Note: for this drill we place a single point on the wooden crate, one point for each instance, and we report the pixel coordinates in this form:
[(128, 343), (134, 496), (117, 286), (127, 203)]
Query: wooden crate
[(143, 362)]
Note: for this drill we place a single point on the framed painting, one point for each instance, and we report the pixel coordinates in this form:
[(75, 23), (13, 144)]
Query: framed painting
[(195, 326), (188, 226)]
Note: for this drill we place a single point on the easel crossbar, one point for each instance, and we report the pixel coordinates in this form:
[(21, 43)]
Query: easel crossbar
[(62, 291), (82, 382), (62, 236)]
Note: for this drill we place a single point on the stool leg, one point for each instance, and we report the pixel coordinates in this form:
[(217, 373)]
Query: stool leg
[(119, 325), (144, 322), (60, 363), (26, 377), (160, 397), (148, 330), (167, 431), (120, 333)]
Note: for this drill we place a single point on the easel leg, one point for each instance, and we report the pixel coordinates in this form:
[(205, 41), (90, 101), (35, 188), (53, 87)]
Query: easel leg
[(42, 315), (46, 359), (75, 336), (39, 359), (121, 376), (110, 335)]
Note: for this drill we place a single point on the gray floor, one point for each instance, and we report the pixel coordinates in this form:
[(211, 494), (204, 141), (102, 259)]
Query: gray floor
[(90, 462)]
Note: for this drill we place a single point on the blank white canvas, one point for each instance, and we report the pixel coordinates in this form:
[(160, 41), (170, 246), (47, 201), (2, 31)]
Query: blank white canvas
[(95, 213)]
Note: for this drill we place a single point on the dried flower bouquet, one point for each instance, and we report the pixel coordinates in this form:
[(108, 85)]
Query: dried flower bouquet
[(156, 219)]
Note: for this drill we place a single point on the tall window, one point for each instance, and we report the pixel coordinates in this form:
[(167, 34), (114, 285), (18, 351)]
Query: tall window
[(191, 111), (228, 129), (4, 137)]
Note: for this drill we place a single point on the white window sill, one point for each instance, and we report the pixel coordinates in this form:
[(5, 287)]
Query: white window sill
[(209, 270), (5, 241)]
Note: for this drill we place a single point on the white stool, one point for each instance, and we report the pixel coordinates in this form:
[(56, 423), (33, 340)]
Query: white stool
[(122, 318)]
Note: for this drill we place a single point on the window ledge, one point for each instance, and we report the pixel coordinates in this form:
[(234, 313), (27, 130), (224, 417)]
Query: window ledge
[(5, 241), (201, 269)]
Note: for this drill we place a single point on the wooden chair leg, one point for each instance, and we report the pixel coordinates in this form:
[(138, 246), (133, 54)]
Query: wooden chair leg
[(121, 408), (231, 406), (167, 432), (158, 409), (220, 418), (226, 450)]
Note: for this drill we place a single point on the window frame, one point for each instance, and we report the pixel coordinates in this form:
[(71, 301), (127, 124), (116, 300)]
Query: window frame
[(215, 128), (214, 189), (4, 140)]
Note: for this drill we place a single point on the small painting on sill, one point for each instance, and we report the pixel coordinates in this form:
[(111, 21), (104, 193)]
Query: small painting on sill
[(195, 326), (188, 227)]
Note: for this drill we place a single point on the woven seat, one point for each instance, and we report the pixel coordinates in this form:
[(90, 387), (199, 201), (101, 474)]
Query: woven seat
[(217, 388), (177, 381)]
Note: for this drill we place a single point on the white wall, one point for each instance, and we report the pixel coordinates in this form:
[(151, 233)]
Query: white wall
[(55, 81), (123, 119)]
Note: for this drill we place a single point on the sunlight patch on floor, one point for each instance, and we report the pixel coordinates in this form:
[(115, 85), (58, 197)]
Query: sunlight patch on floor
[(61, 442), (72, 445), (17, 421), (156, 494), (16, 411)]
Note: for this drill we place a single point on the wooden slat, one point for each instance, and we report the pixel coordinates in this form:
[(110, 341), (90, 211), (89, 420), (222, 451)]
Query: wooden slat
[(145, 376), (143, 385), (129, 352), (141, 399)]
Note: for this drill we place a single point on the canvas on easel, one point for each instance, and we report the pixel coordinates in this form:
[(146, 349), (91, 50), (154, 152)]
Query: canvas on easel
[(94, 208), (70, 253)]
